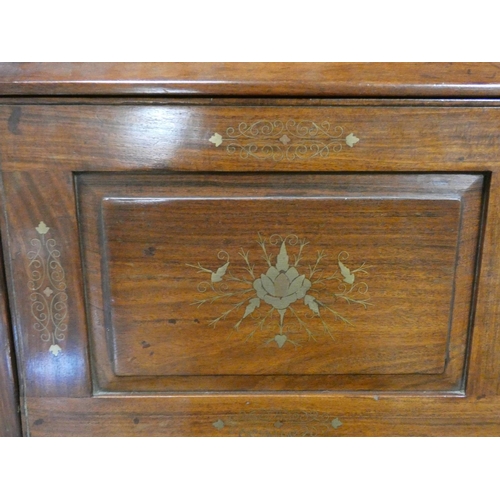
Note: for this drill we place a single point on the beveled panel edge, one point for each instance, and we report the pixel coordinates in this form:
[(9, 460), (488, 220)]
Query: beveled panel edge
[(454, 194), (10, 420), (13, 347), (477, 205), (479, 379)]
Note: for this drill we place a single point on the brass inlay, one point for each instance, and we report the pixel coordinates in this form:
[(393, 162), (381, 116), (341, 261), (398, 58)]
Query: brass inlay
[(280, 423), (277, 140), (216, 139), (47, 284), (283, 298), (219, 424), (336, 423)]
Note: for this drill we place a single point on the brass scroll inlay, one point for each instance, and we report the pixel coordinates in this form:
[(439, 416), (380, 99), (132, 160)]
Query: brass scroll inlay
[(278, 140), (47, 283), (282, 297)]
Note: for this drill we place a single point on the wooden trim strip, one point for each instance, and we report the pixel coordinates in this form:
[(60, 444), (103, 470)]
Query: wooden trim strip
[(10, 424), (457, 80)]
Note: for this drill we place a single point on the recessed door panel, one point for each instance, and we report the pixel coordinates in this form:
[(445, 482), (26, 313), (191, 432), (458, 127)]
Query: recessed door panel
[(279, 282)]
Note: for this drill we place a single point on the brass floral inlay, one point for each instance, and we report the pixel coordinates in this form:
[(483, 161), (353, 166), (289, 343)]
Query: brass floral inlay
[(283, 297), (277, 140), (47, 284)]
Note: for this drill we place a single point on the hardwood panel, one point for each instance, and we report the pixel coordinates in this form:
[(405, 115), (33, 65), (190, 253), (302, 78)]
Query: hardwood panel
[(95, 138), (266, 415), (45, 283), (285, 79), (145, 238), (42, 148), (10, 422)]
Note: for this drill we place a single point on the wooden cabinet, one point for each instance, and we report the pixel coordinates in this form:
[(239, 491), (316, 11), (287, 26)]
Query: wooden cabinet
[(253, 264)]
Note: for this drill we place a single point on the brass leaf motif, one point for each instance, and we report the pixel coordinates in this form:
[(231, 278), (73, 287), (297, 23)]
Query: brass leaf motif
[(310, 302), (217, 276), (216, 139), (42, 228), (55, 350), (336, 423), (219, 424), (346, 273), (351, 139)]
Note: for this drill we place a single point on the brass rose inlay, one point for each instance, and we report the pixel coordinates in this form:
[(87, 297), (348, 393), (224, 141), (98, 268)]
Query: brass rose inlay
[(294, 293)]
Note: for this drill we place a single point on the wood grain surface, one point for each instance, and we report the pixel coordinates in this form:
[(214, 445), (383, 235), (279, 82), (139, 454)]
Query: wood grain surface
[(144, 237), (67, 165), (45, 268), (10, 421), (158, 137), (265, 415), (250, 79)]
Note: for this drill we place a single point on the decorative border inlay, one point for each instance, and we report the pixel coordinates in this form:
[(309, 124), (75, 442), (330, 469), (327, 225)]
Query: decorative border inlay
[(286, 299), (47, 284), (277, 140), (278, 423)]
